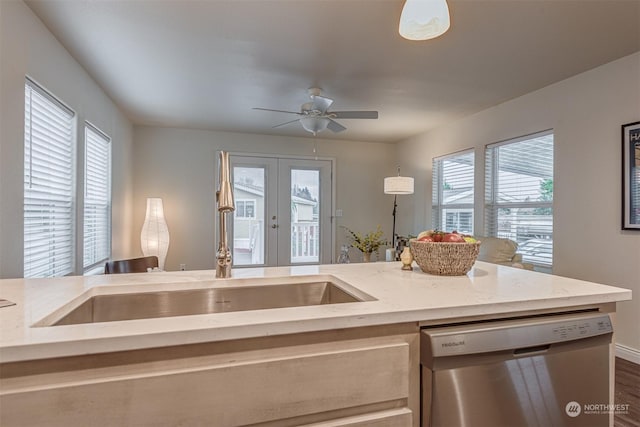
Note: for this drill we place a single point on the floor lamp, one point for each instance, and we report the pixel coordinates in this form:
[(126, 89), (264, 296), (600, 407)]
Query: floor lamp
[(397, 185), (154, 237)]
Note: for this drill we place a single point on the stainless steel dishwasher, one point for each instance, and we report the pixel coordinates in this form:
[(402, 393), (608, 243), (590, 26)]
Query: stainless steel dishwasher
[(537, 371)]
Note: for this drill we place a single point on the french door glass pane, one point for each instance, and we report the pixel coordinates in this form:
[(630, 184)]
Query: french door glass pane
[(248, 218), (305, 208)]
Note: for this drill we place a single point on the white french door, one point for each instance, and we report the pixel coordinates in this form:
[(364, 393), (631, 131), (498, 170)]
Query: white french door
[(283, 211)]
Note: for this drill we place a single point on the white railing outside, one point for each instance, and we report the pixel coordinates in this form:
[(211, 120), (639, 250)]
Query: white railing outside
[(305, 242)]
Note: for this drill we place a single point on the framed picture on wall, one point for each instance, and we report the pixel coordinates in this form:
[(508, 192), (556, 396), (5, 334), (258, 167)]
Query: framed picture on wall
[(631, 176)]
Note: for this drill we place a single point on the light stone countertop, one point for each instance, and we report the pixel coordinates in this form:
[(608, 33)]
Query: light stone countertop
[(401, 296)]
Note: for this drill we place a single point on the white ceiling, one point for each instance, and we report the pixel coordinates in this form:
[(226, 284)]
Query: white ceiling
[(205, 64)]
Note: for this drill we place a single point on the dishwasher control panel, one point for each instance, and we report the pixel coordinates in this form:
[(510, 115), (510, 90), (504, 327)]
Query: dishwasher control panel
[(581, 328), (491, 336)]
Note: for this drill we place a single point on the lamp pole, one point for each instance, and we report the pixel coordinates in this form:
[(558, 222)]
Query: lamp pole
[(395, 208), (397, 185)]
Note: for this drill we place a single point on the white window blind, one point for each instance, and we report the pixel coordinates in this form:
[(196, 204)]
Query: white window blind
[(519, 195), (48, 185), (97, 197), (452, 195)]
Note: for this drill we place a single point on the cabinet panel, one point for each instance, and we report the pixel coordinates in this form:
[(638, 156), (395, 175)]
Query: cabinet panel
[(392, 418), (268, 386)]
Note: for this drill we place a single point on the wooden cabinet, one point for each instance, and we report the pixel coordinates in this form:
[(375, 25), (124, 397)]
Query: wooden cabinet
[(388, 418), (353, 377)]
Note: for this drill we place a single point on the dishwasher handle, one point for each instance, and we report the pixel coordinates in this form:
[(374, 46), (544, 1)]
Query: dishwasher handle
[(530, 351), (513, 334)]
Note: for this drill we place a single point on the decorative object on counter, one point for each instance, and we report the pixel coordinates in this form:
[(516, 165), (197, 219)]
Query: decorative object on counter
[(397, 185), (443, 258), (401, 243), (390, 255), (344, 255), (631, 176), (368, 243), (154, 238), (407, 258), (424, 19)]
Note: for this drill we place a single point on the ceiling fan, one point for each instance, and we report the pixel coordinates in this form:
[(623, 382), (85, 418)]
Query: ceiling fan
[(316, 117)]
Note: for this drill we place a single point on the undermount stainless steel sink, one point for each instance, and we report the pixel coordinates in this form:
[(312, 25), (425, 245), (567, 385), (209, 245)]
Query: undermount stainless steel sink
[(147, 305)]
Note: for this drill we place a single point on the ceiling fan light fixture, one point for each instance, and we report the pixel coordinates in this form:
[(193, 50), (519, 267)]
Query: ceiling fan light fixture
[(314, 124), (424, 19)]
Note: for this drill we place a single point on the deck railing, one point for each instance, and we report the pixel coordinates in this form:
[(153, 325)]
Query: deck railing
[(305, 242)]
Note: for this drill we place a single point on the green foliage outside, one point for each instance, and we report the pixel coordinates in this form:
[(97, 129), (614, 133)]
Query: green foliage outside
[(546, 195)]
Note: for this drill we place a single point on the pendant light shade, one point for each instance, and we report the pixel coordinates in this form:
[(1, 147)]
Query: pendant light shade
[(424, 19), (154, 237)]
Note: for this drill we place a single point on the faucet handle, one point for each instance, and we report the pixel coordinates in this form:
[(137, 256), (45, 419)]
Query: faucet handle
[(224, 195)]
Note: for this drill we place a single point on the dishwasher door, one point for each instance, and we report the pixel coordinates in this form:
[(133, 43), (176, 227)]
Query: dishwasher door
[(527, 372)]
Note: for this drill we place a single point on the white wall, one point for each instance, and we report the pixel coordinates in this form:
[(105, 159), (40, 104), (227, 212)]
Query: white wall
[(179, 166), (585, 112), (28, 48)]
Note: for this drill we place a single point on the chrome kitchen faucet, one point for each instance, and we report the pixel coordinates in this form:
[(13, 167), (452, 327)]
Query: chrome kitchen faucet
[(224, 199)]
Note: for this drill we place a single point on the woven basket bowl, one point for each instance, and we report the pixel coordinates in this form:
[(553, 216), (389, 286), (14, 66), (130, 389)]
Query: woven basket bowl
[(445, 259)]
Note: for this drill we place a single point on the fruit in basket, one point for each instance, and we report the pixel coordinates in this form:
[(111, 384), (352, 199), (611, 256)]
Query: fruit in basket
[(441, 236), (423, 234), (453, 238)]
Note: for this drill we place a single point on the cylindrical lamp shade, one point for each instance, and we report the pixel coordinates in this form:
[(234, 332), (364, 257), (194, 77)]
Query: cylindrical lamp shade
[(398, 185), (154, 237)]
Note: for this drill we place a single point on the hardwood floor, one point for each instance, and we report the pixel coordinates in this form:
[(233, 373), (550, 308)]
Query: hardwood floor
[(627, 392)]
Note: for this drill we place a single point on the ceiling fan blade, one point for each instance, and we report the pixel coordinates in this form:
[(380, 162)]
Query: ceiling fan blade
[(320, 103), (335, 126), (285, 123), (277, 111), (354, 114)]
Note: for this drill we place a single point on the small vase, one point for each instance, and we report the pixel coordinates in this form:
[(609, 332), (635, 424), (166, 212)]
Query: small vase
[(407, 258), (344, 255), (366, 256)]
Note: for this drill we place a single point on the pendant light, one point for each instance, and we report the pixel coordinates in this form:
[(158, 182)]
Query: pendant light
[(424, 19)]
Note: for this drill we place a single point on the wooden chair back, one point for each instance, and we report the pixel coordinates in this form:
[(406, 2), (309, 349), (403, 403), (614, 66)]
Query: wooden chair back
[(134, 265)]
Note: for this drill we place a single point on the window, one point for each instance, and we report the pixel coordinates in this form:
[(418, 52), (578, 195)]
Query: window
[(49, 175), (97, 197), (245, 209), (452, 196), (519, 195)]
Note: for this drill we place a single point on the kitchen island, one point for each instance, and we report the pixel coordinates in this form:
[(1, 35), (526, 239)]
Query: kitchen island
[(353, 363)]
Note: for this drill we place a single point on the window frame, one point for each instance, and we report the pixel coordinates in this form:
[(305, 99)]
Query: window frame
[(65, 155), (438, 207), (492, 205), (103, 138), (245, 217)]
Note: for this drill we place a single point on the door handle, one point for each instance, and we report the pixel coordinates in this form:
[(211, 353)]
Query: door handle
[(275, 226)]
